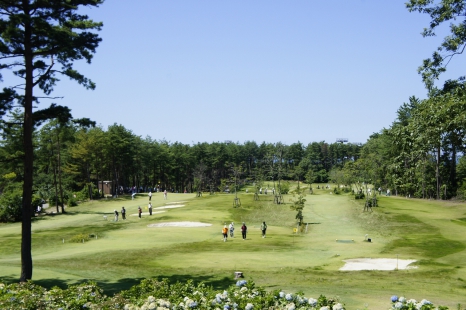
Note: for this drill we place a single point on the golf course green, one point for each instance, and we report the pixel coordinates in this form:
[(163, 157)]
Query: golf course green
[(87, 244)]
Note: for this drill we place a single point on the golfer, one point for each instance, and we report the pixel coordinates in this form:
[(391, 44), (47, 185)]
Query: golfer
[(225, 233), (123, 213), (116, 216), (244, 230), (264, 229), (139, 211), (150, 208), (232, 229)]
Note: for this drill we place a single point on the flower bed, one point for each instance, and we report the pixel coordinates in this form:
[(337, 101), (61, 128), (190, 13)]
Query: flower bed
[(159, 295)]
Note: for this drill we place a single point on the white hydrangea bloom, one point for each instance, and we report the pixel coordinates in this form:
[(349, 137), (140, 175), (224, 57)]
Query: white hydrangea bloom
[(312, 302), (249, 306), (338, 306)]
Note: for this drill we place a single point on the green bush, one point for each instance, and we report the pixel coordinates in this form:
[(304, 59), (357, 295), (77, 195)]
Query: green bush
[(154, 294), (79, 238), (359, 195), (10, 206), (284, 188)]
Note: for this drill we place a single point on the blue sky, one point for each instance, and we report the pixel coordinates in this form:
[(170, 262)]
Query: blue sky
[(263, 70)]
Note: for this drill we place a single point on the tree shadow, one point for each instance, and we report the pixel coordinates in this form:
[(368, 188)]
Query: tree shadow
[(111, 288)]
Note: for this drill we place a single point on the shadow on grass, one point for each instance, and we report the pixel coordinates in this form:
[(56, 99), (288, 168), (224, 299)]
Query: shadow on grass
[(112, 288)]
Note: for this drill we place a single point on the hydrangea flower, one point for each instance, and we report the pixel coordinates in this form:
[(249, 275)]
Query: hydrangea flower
[(290, 306), (425, 302), (411, 301), (394, 298), (241, 283), (398, 305), (312, 302), (281, 294), (324, 308), (402, 299), (289, 297), (152, 306), (192, 304), (338, 306), (249, 306)]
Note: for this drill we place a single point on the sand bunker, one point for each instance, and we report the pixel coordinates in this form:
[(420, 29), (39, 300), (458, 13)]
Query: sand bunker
[(170, 207), (377, 264), (175, 202), (180, 224)]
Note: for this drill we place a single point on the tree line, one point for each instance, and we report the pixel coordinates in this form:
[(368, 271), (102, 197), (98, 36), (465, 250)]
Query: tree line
[(77, 157)]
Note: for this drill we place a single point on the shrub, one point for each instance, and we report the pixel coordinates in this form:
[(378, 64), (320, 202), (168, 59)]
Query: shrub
[(154, 294), (284, 188), (10, 206), (79, 238)]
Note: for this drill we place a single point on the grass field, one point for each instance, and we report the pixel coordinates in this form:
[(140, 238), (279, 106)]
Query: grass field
[(120, 254)]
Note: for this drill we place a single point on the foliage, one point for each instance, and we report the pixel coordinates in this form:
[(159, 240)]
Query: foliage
[(10, 206), (298, 206), (79, 238), (401, 303), (453, 44), (154, 294), (284, 188)]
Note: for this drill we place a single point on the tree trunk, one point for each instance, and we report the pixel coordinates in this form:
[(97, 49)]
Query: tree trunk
[(437, 173), (454, 183), (89, 187), (59, 177), (26, 240), (54, 168)]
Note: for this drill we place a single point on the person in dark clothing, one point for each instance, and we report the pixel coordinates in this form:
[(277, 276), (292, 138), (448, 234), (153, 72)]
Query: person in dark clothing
[(244, 230), (123, 213), (264, 229)]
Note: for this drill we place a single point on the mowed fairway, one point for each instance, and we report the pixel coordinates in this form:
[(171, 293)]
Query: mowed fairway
[(124, 252)]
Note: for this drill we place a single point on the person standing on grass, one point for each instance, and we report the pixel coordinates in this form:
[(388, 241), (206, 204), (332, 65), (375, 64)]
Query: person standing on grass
[(116, 216), (225, 233), (150, 195), (232, 229), (123, 213), (244, 230), (264, 229), (150, 208), (139, 211), (165, 194)]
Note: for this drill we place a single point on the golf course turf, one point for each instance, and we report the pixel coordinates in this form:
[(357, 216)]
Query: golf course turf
[(82, 244)]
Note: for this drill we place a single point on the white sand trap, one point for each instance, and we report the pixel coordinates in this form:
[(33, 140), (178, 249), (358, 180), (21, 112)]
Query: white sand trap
[(170, 207), (147, 213), (180, 224), (377, 264), (175, 202)]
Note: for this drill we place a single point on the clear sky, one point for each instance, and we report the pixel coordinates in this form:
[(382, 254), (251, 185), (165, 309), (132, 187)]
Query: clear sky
[(264, 70)]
